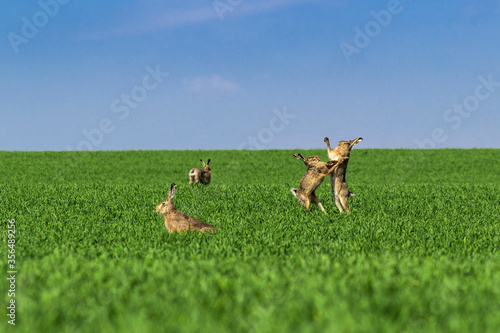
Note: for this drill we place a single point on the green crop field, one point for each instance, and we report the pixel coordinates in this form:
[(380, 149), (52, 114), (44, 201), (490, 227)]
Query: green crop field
[(419, 253)]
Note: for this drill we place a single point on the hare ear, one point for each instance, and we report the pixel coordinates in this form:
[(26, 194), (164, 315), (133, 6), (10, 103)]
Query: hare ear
[(327, 141), (208, 162), (355, 141), (171, 193), (202, 162)]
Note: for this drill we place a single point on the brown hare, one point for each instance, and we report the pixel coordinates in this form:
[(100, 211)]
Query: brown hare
[(312, 178), (340, 190), (176, 220), (197, 175)]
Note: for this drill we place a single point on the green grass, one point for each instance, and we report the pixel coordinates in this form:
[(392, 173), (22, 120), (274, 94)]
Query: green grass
[(419, 253)]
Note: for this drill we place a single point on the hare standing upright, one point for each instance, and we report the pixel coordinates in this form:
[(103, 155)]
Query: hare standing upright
[(312, 178), (197, 175), (340, 190), (176, 220)]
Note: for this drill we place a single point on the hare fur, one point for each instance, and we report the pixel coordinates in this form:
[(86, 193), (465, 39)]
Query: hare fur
[(312, 178), (197, 175), (177, 221), (340, 190)]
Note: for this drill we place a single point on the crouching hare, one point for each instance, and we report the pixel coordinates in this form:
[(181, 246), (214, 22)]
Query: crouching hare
[(176, 220), (312, 178), (197, 175), (340, 190)]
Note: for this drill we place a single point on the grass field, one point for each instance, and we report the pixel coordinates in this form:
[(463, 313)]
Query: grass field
[(419, 253)]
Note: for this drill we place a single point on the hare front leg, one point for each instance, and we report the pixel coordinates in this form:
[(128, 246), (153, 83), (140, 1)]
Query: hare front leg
[(338, 163)]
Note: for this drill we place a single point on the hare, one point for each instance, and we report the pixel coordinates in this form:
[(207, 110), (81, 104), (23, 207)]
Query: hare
[(176, 220), (312, 178), (340, 190), (197, 175)]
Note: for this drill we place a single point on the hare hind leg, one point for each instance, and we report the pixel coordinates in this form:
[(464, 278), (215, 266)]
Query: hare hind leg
[(194, 179), (304, 201), (338, 203), (192, 176), (315, 200), (335, 194), (344, 195)]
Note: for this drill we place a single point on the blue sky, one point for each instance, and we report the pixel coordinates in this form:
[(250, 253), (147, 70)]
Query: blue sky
[(232, 74)]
